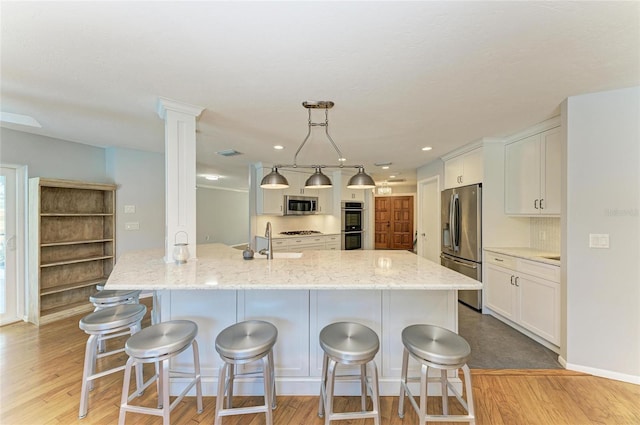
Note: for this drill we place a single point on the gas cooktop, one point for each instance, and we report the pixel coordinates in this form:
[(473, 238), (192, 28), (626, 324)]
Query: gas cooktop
[(301, 232)]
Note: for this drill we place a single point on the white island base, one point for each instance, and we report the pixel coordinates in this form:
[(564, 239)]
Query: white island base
[(299, 316)]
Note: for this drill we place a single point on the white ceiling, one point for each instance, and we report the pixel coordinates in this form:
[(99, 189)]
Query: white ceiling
[(403, 75)]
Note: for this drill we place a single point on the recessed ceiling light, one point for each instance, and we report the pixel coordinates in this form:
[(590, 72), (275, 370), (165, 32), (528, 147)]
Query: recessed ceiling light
[(392, 177), (427, 148), (211, 177), (385, 167), (278, 147)]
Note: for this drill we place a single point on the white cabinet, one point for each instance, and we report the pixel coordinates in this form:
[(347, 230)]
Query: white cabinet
[(307, 243), (289, 312), (301, 243), (464, 169), (332, 242), (525, 292), (532, 174)]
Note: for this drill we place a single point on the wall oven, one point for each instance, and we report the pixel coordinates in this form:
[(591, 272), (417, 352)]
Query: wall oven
[(352, 225)]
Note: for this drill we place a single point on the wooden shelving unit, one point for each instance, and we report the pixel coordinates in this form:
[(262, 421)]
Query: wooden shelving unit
[(71, 245)]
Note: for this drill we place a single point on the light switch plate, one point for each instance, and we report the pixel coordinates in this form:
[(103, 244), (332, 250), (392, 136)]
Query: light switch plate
[(598, 240), (129, 209)]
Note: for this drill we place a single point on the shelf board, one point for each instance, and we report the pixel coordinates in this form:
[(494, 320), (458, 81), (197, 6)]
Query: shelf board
[(77, 260), (76, 214), (57, 313), (76, 242), (70, 286)]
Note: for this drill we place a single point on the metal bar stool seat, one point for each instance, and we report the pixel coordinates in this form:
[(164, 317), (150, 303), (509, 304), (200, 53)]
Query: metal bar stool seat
[(109, 298), (107, 323), (349, 343), (244, 343), (438, 348), (158, 344)]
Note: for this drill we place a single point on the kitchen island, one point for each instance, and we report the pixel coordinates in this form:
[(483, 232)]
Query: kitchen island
[(385, 290)]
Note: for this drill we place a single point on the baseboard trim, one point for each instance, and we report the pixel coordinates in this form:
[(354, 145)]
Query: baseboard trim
[(602, 373)]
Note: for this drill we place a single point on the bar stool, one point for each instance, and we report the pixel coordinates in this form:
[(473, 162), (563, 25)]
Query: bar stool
[(158, 344), (103, 299), (104, 324), (349, 343), (438, 348), (243, 343), (109, 298)]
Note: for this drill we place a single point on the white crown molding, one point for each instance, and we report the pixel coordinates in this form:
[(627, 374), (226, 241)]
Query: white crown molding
[(534, 129), (462, 150)]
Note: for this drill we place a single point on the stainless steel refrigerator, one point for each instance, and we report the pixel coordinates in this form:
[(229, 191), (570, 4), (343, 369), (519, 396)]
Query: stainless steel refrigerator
[(461, 236)]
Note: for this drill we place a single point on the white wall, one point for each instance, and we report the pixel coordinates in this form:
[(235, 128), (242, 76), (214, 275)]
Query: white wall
[(603, 196), (222, 216), (53, 158), (140, 179)]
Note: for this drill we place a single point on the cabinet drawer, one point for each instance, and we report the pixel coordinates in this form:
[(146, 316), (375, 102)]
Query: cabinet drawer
[(500, 260), (544, 271), (279, 245)]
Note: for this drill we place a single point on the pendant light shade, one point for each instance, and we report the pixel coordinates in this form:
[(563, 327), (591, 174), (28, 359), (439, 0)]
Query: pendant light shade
[(361, 180), (318, 180), (274, 180)]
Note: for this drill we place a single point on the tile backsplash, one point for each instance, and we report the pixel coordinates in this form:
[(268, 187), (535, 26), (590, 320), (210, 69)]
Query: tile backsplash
[(545, 233)]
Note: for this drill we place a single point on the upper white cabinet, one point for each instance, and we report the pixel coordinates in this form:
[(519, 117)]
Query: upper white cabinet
[(464, 169), (532, 174)]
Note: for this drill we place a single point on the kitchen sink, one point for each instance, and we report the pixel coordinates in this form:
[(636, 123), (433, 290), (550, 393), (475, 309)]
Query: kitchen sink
[(277, 255)]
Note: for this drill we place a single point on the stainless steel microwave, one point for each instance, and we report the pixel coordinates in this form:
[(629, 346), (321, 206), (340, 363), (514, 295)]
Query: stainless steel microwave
[(300, 205)]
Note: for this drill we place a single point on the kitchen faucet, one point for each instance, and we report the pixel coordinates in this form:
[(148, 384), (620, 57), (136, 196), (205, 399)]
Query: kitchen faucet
[(268, 234)]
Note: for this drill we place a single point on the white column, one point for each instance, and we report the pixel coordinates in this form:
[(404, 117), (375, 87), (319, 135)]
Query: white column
[(180, 173)]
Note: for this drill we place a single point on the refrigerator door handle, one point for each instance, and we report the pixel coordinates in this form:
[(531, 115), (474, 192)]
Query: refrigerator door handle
[(451, 223), (455, 212)]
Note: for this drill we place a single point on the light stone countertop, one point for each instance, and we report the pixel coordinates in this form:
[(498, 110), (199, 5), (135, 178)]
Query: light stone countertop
[(527, 254), (222, 267)]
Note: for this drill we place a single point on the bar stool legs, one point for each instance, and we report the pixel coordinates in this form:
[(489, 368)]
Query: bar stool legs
[(243, 343), (349, 344), (438, 348), (104, 324), (158, 344)]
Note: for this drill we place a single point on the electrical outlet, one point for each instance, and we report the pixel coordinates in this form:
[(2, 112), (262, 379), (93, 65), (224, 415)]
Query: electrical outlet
[(129, 209), (132, 226)]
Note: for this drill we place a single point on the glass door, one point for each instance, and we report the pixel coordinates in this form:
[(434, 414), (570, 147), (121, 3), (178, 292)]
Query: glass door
[(8, 268)]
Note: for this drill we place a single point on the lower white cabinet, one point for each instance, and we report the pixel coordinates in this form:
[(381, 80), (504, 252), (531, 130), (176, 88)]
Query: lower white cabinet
[(292, 320), (525, 292), (303, 243)]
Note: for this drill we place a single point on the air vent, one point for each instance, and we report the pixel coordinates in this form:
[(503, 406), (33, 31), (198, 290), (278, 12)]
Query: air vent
[(229, 152), (396, 180)]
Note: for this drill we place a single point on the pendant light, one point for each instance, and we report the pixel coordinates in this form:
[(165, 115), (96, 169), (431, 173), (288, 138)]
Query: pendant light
[(274, 180), (361, 180), (318, 180)]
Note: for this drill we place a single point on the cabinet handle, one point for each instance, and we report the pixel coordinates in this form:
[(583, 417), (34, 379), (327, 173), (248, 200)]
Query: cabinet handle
[(498, 259), (541, 207), (517, 281), (535, 204), (512, 276)]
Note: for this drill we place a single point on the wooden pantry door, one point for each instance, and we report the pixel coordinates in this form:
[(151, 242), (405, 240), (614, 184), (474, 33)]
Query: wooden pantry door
[(394, 222)]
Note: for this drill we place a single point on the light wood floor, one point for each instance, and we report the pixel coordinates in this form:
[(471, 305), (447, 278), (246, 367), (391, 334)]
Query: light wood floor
[(41, 370)]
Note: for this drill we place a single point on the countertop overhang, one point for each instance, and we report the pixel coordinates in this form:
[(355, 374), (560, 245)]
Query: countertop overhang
[(221, 267)]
